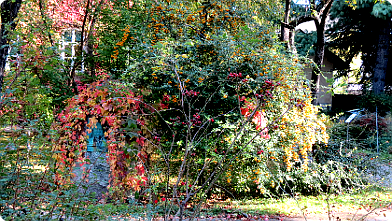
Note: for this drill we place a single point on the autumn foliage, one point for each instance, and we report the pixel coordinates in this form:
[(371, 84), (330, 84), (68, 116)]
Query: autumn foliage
[(112, 105), (194, 98), (209, 66), (219, 96)]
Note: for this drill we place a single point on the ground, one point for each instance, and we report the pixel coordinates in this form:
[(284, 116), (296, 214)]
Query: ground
[(382, 175)]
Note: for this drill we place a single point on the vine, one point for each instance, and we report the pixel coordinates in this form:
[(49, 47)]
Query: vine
[(112, 105)]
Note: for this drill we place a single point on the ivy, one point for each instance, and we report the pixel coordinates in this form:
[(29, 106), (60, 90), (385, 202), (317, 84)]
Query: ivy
[(112, 105)]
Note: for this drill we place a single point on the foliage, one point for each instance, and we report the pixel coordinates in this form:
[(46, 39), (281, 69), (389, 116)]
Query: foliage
[(345, 32), (382, 102), (380, 9), (27, 188), (194, 98), (304, 42), (113, 105), (354, 32), (349, 149), (225, 90)]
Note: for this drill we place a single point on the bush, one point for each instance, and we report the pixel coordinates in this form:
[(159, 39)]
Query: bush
[(226, 102), (356, 152), (28, 190), (222, 107)]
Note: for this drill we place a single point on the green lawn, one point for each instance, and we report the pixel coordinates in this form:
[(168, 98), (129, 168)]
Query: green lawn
[(362, 200)]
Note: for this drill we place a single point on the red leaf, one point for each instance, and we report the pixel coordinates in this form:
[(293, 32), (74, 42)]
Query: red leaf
[(140, 141), (140, 169), (98, 110), (245, 111), (140, 122)]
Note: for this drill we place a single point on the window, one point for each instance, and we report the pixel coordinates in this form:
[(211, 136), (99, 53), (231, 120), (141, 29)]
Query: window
[(13, 57), (70, 47)]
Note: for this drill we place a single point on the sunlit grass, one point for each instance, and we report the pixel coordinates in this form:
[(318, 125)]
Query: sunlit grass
[(365, 199)]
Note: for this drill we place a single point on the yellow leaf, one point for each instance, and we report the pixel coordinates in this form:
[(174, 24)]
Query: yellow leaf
[(93, 122)]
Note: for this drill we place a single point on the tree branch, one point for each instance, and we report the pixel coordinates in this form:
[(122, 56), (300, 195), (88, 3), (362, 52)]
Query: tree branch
[(286, 25), (41, 9), (326, 8)]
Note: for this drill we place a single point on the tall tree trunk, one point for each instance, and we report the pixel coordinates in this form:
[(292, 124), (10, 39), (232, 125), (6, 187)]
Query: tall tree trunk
[(320, 48), (318, 60), (380, 69), (9, 11)]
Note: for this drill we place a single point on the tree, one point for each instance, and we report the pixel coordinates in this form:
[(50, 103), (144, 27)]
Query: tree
[(318, 12), (9, 12), (354, 32), (382, 10), (380, 69), (205, 66), (80, 15)]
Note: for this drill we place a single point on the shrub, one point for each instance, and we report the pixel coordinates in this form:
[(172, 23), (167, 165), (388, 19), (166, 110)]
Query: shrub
[(228, 102), (28, 190)]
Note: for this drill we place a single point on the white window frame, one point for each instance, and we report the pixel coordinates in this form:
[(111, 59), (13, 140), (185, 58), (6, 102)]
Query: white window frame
[(12, 56), (73, 44)]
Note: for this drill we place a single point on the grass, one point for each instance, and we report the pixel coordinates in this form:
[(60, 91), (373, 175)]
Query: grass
[(311, 206), (352, 202), (365, 199)]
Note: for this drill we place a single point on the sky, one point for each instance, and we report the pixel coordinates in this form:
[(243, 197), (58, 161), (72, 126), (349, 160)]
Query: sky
[(306, 26)]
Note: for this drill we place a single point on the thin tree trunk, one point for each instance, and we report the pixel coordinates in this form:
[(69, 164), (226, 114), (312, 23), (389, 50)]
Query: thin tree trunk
[(9, 11), (380, 69), (288, 31), (292, 47), (44, 19), (3, 59)]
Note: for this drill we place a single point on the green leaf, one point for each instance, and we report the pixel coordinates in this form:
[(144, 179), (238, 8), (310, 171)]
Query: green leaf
[(158, 45)]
